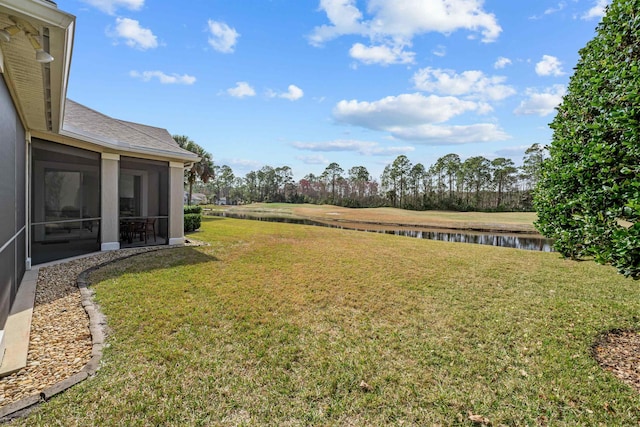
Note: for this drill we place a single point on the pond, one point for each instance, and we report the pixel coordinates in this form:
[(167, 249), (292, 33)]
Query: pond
[(508, 240)]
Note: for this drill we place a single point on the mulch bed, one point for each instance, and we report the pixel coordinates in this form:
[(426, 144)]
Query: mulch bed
[(619, 353)]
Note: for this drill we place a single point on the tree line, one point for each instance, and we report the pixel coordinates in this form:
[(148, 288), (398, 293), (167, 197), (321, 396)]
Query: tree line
[(587, 191), (476, 183)]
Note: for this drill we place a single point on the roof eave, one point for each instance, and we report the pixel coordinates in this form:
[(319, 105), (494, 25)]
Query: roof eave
[(42, 11), (126, 148), (62, 26)]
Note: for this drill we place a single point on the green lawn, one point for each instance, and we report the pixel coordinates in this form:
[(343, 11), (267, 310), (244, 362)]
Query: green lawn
[(287, 325)]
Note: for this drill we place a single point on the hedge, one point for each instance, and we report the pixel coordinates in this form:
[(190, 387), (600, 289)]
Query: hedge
[(192, 218)]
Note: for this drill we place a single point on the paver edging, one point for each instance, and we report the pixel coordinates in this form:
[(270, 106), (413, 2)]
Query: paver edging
[(97, 325)]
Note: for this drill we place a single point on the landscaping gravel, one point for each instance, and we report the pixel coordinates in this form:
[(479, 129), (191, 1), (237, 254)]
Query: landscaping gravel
[(60, 342)]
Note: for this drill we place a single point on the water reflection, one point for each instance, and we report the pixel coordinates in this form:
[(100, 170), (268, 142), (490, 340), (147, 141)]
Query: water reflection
[(517, 241), (504, 240)]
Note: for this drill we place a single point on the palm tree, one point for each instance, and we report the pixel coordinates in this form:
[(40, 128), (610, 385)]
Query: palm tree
[(202, 170)]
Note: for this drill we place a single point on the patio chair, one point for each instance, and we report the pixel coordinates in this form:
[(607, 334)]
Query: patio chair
[(143, 228), (127, 230)]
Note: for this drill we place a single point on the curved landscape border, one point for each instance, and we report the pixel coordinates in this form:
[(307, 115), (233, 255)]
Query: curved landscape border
[(97, 330)]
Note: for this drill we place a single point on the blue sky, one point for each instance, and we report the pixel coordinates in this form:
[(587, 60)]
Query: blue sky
[(304, 83)]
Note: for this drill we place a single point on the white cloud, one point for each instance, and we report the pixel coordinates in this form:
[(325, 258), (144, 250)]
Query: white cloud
[(471, 83), (240, 166), (381, 54), (110, 6), (549, 66), (551, 10), (405, 110), (516, 152), (146, 76), (292, 94), (222, 37), (243, 164), (419, 118), (447, 135), (345, 19), (440, 51), (135, 36), (501, 63), (406, 18), (558, 8), (367, 148), (394, 23), (597, 11), (241, 90), (314, 159), (541, 103)]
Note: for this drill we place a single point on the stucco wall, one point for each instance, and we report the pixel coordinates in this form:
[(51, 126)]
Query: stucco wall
[(176, 203), (109, 194)]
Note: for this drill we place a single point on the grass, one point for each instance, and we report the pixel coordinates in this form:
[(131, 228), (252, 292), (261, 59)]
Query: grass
[(494, 221), (278, 324)]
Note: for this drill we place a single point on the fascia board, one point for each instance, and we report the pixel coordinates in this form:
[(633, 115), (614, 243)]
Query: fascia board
[(64, 80), (42, 11)]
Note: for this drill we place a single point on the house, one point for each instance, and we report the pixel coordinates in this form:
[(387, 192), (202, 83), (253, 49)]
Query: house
[(196, 198), (73, 180)]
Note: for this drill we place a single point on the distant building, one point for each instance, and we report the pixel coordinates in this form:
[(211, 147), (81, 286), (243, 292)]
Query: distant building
[(196, 198)]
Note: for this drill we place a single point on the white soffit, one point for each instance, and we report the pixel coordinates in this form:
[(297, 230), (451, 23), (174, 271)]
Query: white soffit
[(38, 90)]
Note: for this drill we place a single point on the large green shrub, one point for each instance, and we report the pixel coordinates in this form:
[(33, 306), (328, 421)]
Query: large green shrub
[(588, 198), (193, 209), (192, 218)]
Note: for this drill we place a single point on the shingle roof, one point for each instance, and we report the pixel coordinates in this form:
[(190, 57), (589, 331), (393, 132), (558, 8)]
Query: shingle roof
[(99, 128)]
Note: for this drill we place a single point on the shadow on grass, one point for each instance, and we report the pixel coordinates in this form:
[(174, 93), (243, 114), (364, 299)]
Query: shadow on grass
[(160, 258), (154, 260)]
